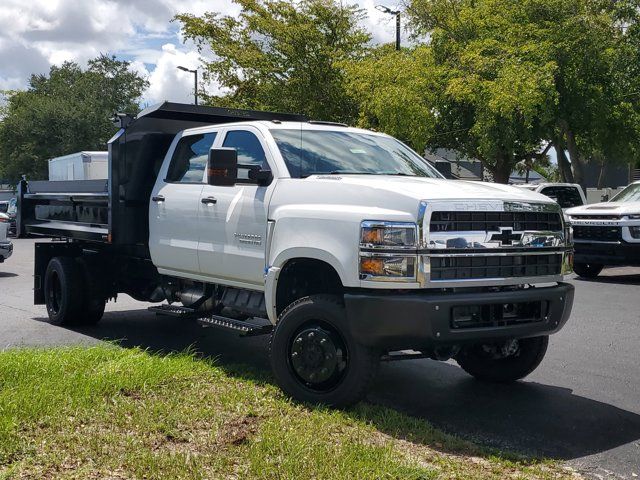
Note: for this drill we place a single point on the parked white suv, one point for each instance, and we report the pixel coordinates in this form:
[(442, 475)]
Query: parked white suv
[(6, 247), (607, 233)]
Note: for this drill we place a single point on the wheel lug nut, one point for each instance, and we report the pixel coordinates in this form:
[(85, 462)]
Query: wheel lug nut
[(323, 341), (324, 371), (299, 340), (294, 354), (312, 376), (311, 335), (328, 356)]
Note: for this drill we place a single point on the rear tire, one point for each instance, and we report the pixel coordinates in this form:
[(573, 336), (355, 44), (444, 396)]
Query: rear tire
[(63, 288), (587, 270), (503, 362), (314, 357)]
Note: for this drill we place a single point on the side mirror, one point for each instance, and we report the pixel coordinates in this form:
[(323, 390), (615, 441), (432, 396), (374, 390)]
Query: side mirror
[(222, 167)]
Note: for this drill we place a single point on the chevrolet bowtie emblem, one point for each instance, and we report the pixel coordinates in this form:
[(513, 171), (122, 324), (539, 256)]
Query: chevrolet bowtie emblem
[(506, 236)]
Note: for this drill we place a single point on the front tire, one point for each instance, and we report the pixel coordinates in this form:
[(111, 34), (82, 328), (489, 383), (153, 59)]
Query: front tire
[(587, 270), (314, 357), (503, 362)]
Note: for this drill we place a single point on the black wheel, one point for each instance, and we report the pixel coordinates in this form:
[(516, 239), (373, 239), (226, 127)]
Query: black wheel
[(587, 270), (314, 357), (503, 362), (63, 287)]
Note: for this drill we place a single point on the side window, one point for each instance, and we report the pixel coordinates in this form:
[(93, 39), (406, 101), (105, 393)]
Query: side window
[(250, 152), (190, 158)]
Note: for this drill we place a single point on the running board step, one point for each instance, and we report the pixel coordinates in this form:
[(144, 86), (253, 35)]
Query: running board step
[(244, 328), (173, 310)]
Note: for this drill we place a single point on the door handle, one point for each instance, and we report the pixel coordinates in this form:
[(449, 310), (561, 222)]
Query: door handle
[(157, 198), (209, 201)]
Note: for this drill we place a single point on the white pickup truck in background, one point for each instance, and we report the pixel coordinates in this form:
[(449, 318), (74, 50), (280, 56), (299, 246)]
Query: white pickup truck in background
[(568, 195), (342, 244), (608, 233)]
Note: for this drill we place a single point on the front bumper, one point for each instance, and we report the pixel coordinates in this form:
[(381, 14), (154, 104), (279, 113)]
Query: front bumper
[(607, 253), (399, 321), (6, 249)]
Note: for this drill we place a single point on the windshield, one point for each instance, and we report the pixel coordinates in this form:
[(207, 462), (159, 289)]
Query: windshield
[(629, 194), (311, 152)]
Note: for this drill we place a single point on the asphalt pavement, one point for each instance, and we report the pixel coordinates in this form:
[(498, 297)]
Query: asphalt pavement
[(582, 405)]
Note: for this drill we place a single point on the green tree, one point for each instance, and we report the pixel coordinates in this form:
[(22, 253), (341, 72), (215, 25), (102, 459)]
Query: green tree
[(68, 110), (282, 55), (498, 79)]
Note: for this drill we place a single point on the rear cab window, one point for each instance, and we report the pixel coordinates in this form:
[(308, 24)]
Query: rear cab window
[(566, 196), (189, 159)]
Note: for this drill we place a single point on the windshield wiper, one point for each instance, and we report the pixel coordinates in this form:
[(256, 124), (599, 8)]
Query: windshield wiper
[(340, 172)]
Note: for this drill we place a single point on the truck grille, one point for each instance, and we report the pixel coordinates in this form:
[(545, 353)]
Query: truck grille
[(606, 234), (463, 268), (443, 221)]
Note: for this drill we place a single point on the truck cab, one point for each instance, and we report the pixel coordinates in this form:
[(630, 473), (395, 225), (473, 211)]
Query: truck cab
[(342, 244), (607, 233)]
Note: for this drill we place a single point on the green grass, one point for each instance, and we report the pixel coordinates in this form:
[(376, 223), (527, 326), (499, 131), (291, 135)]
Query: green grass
[(109, 412)]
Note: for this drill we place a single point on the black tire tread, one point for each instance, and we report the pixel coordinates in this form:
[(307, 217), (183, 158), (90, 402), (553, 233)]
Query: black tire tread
[(72, 275), (370, 360), (512, 369), (587, 270)]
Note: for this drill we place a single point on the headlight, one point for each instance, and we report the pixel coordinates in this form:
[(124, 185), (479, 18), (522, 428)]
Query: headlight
[(382, 247), (387, 235), (634, 217), (387, 267)]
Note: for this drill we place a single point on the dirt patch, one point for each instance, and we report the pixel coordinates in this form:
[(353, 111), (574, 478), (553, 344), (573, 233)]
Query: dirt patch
[(239, 431)]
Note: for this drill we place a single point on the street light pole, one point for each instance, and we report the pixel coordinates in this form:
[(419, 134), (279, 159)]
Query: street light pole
[(385, 9), (195, 81), (397, 30)]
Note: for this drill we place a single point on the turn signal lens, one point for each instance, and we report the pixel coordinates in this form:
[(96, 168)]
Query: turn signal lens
[(392, 267)]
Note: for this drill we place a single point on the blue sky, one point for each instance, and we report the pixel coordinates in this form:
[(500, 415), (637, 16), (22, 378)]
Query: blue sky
[(36, 34)]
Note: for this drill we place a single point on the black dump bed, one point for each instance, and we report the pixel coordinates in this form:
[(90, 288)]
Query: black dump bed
[(115, 211)]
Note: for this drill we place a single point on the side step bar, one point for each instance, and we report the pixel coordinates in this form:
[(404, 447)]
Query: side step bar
[(244, 328)]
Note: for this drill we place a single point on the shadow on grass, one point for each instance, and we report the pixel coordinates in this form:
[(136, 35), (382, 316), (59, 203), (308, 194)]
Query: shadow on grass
[(529, 419)]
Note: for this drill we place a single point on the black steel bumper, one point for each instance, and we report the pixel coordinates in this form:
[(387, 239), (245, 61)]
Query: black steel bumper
[(608, 253), (398, 321)]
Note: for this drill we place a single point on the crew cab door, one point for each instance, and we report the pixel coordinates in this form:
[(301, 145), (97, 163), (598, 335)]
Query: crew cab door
[(174, 206), (233, 219)]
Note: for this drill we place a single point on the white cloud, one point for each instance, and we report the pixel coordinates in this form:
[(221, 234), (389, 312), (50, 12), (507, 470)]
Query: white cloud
[(36, 34)]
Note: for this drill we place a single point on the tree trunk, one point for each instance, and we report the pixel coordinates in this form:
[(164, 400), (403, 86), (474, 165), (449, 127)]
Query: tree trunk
[(502, 170), (563, 163), (603, 172), (576, 162)]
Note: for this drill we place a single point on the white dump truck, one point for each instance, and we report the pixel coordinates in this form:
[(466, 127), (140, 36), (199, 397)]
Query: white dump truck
[(343, 245)]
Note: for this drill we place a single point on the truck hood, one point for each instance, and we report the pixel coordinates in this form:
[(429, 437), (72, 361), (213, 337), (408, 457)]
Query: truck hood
[(606, 208), (421, 188)]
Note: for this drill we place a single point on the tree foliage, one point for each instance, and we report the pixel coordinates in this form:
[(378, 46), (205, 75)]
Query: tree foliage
[(498, 79), (68, 110), (282, 55)]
